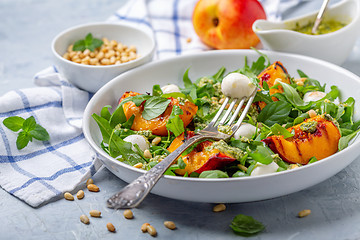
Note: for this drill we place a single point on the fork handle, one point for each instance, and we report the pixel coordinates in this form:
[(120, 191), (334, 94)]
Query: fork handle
[(135, 192)]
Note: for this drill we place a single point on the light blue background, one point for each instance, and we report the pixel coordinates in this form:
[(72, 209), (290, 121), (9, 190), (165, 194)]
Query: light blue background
[(27, 28)]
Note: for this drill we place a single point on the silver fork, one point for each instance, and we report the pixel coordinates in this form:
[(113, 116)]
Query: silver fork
[(135, 192)]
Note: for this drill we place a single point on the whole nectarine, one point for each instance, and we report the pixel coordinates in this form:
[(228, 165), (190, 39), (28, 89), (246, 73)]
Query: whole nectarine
[(227, 24)]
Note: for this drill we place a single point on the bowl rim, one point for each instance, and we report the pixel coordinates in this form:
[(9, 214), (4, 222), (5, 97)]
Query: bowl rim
[(113, 24), (352, 22), (87, 117)]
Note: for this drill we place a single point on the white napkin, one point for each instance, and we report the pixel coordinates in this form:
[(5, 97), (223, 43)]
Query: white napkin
[(44, 170)]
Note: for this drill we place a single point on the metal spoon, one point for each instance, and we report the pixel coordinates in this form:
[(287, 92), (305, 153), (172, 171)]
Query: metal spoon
[(319, 16)]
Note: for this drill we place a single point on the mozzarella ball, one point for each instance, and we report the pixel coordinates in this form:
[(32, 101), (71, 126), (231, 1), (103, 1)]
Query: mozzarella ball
[(170, 88), (245, 130), (141, 141), (236, 85), (262, 169), (313, 96)]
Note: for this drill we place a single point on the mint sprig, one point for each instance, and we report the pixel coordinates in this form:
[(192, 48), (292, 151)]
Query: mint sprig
[(88, 43), (29, 130)]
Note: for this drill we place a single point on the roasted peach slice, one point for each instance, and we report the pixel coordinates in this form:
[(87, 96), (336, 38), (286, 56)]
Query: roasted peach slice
[(156, 125), (200, 159), (275, 71), (315, 137)]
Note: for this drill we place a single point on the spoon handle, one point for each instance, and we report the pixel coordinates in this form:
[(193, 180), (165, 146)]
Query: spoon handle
[(134, 193), (319, 16)]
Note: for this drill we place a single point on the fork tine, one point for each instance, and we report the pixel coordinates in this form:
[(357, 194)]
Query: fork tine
[(218, 114), (244, 112), (228, 112), (237, 110)]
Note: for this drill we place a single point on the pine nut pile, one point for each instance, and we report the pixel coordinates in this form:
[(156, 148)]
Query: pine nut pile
[(110, 53)]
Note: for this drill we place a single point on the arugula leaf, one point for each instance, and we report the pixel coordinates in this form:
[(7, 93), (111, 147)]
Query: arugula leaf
[(175, 124), (274, 112), (156, 91), (88, 43), (246, 225), (30, 129), (105, 127), (213, 174), (105, 113), (181, 163), (154, 107), (219, 75), (344, 141), (279, 130)]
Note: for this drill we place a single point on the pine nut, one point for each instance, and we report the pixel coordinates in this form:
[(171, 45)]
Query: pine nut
[(128, 214), (89, 181), (95, 213), (151, 230), (144, 227), (293, 166), (93, 188), (304, 213), (156, 141), (188, 40), (138, 165), (80, 194), (84, 219), (170, 225), (68, 196), (147, 154), (110, 227), (219, 208)]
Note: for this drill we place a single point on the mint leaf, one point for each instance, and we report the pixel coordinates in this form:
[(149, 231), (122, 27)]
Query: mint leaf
[(22, 140), (14, 123), (88, 43), (246, 225), (154, 107), (276, 129), (213, 174), (274, 112), (30, 129), (39, 133), (29, 124), (262, 155)]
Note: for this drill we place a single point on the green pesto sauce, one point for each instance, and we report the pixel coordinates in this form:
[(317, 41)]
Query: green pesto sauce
[(223, 147), (326, 26), (225, 129), (309, 127)]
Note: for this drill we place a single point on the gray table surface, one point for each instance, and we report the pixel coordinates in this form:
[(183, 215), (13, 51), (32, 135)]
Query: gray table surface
[(26, 30)]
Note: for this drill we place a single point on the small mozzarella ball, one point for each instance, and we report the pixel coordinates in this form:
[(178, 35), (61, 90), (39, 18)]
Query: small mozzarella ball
[(141, 141), (245, 130), (170, 88), (313, 96), (237, 85), (262, 169)]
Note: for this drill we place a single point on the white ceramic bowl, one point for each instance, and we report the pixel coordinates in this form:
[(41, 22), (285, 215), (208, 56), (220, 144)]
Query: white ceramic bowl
[(92, 78), (227, 189), (334, 47)]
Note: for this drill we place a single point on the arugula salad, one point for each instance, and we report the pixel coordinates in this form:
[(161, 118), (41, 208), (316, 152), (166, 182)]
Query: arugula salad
[(293, 121)]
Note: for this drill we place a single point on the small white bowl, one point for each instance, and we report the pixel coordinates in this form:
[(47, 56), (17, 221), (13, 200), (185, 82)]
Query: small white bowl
[(89, 77), (334, 47)]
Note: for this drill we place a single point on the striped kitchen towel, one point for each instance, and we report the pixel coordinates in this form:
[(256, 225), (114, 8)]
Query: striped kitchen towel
[(45, 170)]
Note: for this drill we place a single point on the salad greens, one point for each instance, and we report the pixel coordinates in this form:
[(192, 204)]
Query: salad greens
[(246, 225), (281, 110)]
